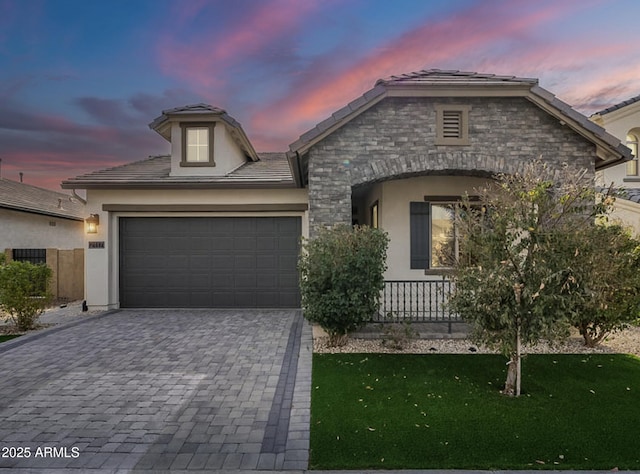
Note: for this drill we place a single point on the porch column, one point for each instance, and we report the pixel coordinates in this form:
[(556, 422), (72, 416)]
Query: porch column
[(329, 191)]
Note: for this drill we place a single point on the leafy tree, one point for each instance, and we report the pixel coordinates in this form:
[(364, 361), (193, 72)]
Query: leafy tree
[(605, 283), (342, 277), (511, 282), (23, 292)]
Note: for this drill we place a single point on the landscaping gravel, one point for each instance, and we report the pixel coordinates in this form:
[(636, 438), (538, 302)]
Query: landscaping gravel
[(627, 342)]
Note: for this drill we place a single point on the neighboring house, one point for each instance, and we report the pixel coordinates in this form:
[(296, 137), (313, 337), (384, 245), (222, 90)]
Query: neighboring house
[(43, 226), (216, 224), (623, 121)]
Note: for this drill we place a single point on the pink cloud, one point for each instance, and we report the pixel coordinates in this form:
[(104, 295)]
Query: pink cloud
[(203, 61), (49, 148), (466, 37), (605, 87), (37, 166)]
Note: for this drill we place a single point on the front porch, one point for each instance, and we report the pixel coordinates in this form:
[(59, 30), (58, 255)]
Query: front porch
[(423, 304)]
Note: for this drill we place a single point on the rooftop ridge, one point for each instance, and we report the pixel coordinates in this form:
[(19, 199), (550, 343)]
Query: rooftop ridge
[(450, 73), (618, 106)]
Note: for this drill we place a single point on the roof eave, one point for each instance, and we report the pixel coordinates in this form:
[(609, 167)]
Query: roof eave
[(162, 125), (236, 184), (337, 120), (608, 148), (40, 212)]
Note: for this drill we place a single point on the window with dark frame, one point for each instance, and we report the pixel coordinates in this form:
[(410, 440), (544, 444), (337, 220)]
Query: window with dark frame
[(197, 144), (433, 234), (35, 256)]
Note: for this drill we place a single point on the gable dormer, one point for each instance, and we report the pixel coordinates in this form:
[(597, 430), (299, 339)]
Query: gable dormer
[(205, 140)]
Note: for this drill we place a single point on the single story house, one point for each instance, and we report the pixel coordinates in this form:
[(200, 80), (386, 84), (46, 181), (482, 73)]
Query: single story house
[(217, 224), (623, 121), (43, 226)]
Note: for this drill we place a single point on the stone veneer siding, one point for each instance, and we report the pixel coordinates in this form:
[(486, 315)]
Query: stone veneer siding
[(395, 139)]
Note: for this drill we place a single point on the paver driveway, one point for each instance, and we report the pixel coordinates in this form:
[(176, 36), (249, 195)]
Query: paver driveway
[(160, 389)]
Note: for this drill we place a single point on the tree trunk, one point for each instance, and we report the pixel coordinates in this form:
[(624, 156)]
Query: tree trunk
[(514, 367), (592, 335), (512, 376), (518, 360)]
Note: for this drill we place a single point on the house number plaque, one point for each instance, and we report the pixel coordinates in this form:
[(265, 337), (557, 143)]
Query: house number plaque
[(99, 244)]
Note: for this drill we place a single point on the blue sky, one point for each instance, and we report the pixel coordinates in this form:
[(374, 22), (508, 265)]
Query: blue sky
[(80, 80)]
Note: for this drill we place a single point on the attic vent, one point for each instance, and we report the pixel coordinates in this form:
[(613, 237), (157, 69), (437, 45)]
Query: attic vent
[(452, 124)]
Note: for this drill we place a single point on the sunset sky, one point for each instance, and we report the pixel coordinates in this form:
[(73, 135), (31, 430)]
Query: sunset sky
[(80, 80)]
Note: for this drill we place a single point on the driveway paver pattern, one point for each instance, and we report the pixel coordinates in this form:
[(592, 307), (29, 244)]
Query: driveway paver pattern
[(160, 390)]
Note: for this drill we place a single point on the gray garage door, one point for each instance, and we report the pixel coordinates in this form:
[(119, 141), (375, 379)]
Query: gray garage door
[(216, 262)]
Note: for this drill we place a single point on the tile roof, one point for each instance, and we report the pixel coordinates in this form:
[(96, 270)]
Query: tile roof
[(27, 198), (162, 123), (271, 170), (191, 110), (631, 194), (622, 104), (432, 76)]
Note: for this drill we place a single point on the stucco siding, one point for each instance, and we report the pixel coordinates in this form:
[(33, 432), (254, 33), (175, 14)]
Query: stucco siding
[(31, 231), (619, 123), (627, 213)]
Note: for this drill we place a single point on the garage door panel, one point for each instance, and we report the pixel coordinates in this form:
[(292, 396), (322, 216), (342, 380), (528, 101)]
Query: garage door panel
[(200, 243), (221, 282), (243, 226), (176, 262), (287, 261), (221, 243), (245, 298), (266, 243), (245, 262), (243, 243), (288, 281), (245, 281), (267, 299), (266, 262), (201, 299), (200, 263), (222, 262), (287, 243), (289, 299), (174, 280), (220, 299), (209, 262), (267, 226), (199, 282)]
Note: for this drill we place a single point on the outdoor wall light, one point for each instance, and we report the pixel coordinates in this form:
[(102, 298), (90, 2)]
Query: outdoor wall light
[(92, 223)]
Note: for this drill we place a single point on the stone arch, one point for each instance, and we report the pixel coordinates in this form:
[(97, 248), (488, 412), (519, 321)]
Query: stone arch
[(433, 164)]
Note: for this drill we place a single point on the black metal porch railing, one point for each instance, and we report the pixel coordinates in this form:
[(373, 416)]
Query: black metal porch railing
[(415, 301)]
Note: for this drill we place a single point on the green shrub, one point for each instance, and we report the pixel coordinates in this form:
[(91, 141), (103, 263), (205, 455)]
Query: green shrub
[(342, 277), (23, 292), (397, 335), (605, 281)]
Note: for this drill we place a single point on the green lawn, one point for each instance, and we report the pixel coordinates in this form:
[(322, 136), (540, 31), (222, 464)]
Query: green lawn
[(7, 337), (441, 411)]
